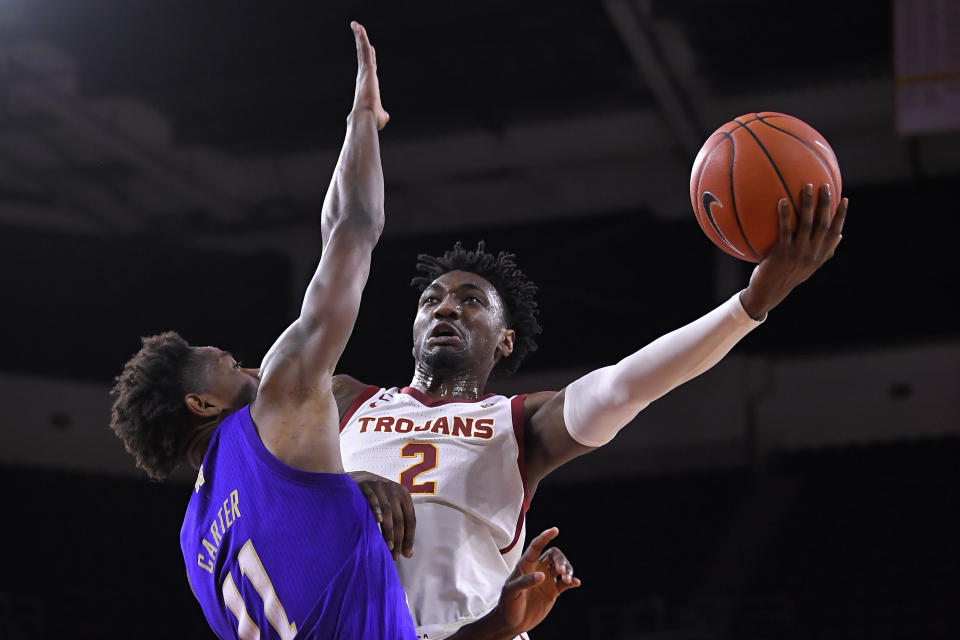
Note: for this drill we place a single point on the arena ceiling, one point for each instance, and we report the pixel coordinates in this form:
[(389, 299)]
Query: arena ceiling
[(163, 164), (225, 117)]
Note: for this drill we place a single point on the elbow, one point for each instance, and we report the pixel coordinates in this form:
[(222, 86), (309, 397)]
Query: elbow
[(361, 224), (611, 390), (617, 399)]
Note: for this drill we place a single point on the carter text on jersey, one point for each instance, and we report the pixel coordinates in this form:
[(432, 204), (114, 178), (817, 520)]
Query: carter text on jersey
[(226, 516)]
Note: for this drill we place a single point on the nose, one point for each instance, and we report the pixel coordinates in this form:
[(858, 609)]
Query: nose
[(254, 373), (448, 307)]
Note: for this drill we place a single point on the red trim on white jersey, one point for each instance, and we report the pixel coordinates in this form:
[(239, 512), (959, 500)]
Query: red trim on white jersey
[(516, 407), (365, 395), (426, 400)]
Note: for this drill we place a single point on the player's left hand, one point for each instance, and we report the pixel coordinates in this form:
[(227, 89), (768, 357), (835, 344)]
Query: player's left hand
[(539, 577), (800, 250), (367, 92), (392, 507)]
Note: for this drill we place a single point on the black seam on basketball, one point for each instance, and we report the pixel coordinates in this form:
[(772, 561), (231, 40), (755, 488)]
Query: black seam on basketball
[(733, 193), (726, 135), (796, 210), (773, 164), (696, 200), (742, 125), (709, 213), (823, 161), (706, 157)]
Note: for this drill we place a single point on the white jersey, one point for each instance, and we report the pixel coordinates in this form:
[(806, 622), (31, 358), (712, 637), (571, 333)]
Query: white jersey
[(462, 461)]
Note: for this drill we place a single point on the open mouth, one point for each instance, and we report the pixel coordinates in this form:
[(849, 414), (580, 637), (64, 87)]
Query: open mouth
[(444, 333)]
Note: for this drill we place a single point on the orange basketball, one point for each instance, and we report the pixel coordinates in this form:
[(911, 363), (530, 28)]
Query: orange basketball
[(743, 170)]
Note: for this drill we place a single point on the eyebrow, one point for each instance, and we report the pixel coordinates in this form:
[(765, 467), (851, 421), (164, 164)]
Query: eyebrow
[(466, 285), (470, 285)]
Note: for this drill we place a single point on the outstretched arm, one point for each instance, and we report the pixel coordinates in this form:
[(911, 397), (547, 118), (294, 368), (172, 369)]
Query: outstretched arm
[(590, 411), (295, 378)]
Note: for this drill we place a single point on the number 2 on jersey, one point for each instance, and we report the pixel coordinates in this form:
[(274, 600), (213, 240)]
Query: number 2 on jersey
[(428, 461)]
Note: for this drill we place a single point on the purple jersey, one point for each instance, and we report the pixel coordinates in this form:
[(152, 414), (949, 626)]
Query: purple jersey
[(276, 552)]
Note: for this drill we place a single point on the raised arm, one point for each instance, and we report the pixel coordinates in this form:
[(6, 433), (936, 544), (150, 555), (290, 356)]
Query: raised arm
[(592, 409), (295, 410)]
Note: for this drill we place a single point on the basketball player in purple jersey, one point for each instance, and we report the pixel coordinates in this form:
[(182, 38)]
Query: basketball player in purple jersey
[(472, 461), (278, 542)]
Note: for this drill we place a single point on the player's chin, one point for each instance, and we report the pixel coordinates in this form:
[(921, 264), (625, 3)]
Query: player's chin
[(249, 393), (443, 356)]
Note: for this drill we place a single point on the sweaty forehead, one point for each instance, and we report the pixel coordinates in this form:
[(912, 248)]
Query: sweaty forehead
[(464, 279)]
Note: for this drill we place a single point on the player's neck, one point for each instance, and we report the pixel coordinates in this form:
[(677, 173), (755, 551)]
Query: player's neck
[(437, 384), (198, 442)]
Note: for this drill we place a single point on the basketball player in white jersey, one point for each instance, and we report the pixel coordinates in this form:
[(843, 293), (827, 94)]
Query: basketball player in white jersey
[(472, 461)]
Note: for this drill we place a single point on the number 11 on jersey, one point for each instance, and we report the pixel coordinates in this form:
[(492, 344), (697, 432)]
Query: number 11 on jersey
[(252, 568), (427, 453)]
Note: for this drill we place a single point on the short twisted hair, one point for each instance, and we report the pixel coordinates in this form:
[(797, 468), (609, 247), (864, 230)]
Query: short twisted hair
[(149, 413), (513, 286)]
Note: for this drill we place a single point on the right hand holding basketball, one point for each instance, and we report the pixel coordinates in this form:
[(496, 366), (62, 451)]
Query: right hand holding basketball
[(367, 93), (799, 251)]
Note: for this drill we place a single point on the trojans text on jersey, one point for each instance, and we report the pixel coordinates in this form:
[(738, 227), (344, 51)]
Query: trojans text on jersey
[(452, 425)]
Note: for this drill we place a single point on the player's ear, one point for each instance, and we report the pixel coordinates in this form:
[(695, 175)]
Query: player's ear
[(505, 346), (198, 406)]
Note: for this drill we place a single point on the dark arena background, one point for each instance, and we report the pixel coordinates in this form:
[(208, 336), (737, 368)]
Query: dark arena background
[(163, 164)]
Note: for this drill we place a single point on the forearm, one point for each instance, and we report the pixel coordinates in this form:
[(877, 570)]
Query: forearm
[(355, 195), (352, 220), (600, 403)]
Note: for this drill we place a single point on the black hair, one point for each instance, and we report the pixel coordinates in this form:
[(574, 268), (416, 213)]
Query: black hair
[(513, 286), (148, 412)]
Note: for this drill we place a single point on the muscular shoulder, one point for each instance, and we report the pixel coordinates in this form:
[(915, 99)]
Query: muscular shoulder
[(345, 391), (533, 402), (297, 422)]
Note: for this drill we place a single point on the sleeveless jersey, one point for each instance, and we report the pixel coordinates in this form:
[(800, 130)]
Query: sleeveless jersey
[(462, 461), (276, 552)]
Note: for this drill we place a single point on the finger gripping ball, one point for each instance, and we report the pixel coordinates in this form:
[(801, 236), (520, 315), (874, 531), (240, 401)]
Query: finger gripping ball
[(745, 167)]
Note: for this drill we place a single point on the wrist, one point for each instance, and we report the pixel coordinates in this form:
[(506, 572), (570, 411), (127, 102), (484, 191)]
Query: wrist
[(361, 112), (755, 307), (491, 626)]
